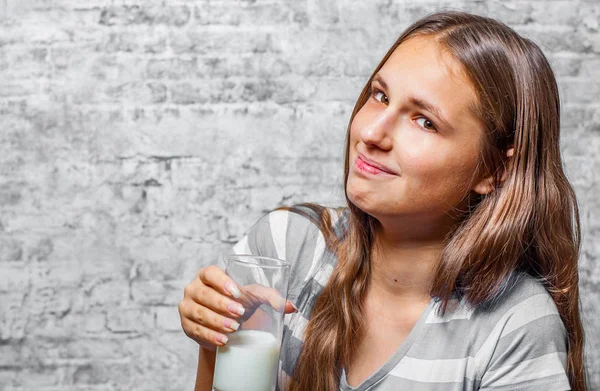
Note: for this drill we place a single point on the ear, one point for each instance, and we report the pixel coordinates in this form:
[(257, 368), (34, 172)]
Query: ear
[(486, 185)]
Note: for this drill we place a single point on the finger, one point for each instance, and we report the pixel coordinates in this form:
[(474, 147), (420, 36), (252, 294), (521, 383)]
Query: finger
[(290, 308), (206, 296), (257, 293), (215, 277), (214, 321), (202, 334)]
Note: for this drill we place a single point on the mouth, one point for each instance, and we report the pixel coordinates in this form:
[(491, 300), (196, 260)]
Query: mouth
[(369, 166)]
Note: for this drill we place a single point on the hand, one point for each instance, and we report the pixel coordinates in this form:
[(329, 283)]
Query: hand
[(214, 305)]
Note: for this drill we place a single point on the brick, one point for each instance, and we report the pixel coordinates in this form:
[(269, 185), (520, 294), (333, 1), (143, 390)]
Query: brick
[(565, 64), (94, 348), (580, 91), (203, 41), (186, 93), (152, 292), (553, 39), (255, 65), (560, 13), (134, 320), (14, 278), (167, 318), (22, 62), (10, 250), (105, 292), (12, 323), (8, 377), (142, 92), (21, 88), (99, 373), (255, 14), (31, 377), (590, 68), (142, 41), (171, 68), (127, 15), (64, 59)]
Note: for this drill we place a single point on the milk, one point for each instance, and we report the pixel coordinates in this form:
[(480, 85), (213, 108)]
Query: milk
[(248, 362)]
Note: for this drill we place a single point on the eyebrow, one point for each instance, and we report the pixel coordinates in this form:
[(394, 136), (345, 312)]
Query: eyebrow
[(418, 102)]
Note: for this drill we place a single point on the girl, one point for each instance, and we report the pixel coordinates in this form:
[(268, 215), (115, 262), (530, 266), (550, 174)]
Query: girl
[(454, 264)]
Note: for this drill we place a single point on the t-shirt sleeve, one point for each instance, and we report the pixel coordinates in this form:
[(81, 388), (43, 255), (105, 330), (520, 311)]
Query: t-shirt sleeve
[(531, 351), (288, 236)]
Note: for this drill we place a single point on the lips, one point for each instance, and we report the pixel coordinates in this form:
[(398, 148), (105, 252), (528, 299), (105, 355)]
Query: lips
[(368, 165)]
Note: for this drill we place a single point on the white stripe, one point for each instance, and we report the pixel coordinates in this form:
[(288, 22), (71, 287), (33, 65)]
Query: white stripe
[(526, 370), (440, 371), (242, 247), (299, 325), (455, 310), (284, 379), (323, 274), (538, 306), (278, 224), (317, 257)]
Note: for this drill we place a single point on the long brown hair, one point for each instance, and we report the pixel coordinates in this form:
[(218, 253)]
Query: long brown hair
[(529, 223)]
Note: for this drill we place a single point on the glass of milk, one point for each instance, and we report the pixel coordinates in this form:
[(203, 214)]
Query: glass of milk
[(250, 359)]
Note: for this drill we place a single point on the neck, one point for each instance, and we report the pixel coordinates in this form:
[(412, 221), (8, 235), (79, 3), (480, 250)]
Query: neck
[(404, 258)]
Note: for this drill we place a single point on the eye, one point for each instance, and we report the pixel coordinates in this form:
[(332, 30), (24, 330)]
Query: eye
[(377, 95), (426, 124)]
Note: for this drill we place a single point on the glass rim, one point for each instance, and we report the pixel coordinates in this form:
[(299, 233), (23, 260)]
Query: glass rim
[(278, 263)]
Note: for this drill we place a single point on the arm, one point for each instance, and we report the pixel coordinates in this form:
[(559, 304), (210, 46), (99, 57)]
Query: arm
[(206, 367)]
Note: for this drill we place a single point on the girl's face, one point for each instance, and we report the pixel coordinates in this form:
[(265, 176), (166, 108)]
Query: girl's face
[(415, 144)]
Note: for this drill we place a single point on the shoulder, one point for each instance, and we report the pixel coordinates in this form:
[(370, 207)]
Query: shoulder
[(521, 300), (526, 342), (289, 227), (295, 234)]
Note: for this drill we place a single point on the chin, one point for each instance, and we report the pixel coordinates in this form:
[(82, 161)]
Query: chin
[(362, 201)]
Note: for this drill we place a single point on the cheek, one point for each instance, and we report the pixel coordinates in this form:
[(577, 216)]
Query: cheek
[(439, 168)]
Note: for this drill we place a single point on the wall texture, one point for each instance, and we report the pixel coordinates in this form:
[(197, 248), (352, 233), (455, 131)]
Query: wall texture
[(140, 139)]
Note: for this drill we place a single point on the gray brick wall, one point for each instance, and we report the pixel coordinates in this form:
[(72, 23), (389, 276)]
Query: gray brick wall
[(139, 139)]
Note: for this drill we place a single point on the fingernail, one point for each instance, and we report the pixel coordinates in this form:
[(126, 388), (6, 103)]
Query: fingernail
[(231, 324), (235, 292), (223, 339), (236, 309)]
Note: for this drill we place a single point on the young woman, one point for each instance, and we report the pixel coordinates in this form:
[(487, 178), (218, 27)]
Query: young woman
[(454, 264)]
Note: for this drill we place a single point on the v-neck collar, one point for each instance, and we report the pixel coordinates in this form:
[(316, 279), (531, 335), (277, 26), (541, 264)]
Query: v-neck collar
[(391, 363)]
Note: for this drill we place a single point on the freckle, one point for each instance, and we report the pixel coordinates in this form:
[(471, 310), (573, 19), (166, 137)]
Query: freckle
[(395, 280)]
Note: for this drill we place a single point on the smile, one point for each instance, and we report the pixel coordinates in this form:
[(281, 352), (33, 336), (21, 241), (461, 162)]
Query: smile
[(369, 167)]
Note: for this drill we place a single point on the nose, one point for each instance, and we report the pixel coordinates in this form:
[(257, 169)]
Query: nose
[(378, 131)]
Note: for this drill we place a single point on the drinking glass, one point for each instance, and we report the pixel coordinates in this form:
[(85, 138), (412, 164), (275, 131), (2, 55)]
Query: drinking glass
[(250, 359)]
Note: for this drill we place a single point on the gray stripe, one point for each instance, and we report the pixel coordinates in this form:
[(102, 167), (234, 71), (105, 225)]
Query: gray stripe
[(301, 240), (392, 383), (519, 345), (308, 297), (260, 239), (550, 383), (289, 355)]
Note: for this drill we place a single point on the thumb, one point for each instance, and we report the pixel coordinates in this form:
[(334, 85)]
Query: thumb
[(256, 294)]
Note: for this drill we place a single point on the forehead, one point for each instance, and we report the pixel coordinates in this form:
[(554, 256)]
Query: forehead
[(422, 67)]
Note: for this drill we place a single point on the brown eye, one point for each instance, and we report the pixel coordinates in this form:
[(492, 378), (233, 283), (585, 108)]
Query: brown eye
[(425, 123), (383, 98)]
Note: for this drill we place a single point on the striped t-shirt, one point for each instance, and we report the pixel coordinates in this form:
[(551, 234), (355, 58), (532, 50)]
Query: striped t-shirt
[(520, 344)]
